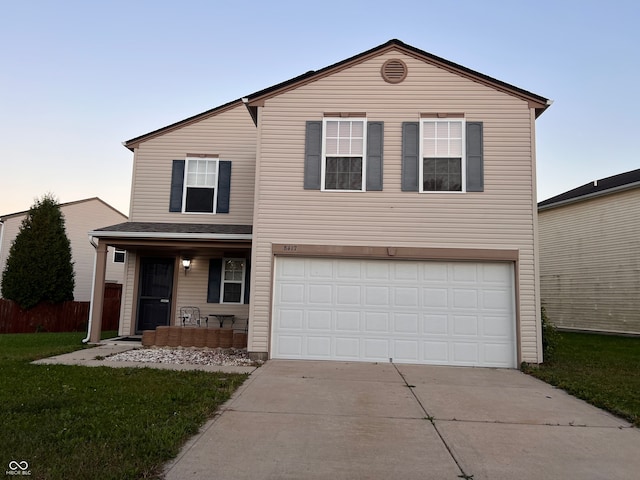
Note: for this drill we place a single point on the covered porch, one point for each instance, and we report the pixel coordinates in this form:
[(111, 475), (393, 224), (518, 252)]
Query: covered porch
[(191, 276)]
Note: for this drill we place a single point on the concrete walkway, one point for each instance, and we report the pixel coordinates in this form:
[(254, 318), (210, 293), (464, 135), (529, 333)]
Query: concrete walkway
[(319, 420)]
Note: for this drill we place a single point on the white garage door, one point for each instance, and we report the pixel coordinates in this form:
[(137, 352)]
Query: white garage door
[(447, 313)]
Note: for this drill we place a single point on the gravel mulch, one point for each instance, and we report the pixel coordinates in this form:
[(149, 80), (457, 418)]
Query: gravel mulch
[(186, 356)]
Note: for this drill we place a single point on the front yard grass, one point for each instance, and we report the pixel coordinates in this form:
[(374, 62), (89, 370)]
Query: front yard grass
[(97, 422), (604, 370)]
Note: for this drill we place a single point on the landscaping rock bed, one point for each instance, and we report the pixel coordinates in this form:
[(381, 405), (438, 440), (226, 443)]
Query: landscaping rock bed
[(186, 356)]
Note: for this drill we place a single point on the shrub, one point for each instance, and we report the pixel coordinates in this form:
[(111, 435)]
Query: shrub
[(550, 337)]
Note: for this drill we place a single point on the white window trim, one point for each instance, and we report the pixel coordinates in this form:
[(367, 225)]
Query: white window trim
[(119, 250), (242, 282), (216, 187), (463, 163), (323, 165)]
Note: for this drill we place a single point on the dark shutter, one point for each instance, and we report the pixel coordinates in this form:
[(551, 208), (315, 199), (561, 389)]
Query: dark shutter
[(247, 280), (410, 152), (177, 181), (224, 186), (312, 155), (475, 160), (215, 277), (375, 139)]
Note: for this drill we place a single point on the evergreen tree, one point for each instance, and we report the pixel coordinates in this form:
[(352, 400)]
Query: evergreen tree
[(39, 267)]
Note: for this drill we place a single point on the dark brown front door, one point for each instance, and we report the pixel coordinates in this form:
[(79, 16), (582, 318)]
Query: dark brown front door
[(154, 297)]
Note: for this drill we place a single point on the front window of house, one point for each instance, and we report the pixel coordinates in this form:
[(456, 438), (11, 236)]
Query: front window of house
[(442, 152), (343, 159), (200, 185), (233, 272)]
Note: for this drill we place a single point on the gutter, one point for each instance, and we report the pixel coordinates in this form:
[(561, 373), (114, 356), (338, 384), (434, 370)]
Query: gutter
[(93, 287), (172, 236)]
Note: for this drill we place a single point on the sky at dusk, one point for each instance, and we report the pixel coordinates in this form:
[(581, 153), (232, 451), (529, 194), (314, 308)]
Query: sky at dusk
[(77, 78)]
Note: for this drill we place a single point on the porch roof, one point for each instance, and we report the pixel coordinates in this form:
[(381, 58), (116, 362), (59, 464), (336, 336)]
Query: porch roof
[(177, 231)]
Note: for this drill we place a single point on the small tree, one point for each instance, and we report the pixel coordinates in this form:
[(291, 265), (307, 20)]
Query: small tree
[(39, 267)]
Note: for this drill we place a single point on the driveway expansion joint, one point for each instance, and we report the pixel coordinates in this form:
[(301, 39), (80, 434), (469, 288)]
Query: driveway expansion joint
[(430, 418)]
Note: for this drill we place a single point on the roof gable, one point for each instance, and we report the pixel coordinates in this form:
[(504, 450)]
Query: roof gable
[(535, 101), (254, 100), (604, 186)]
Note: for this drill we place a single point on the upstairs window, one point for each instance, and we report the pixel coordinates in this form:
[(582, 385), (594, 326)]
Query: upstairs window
[(200, 182), (343, 146), (442, 150)]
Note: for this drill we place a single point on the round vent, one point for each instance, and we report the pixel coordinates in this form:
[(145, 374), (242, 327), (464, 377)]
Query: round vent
[(394, 71)]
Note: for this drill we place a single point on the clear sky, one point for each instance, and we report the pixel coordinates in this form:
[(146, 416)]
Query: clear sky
[(77, 78)]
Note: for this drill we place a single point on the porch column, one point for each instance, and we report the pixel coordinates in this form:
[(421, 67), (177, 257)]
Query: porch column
[(98, 292)]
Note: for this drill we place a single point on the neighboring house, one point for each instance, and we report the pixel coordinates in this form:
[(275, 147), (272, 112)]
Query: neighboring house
[(80, 217), (379, 209), (590, 255)]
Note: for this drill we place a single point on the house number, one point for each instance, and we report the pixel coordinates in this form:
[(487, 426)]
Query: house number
[(290, 248)]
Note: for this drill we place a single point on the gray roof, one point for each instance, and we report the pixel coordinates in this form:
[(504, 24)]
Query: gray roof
[(603, 186), (179, 228)]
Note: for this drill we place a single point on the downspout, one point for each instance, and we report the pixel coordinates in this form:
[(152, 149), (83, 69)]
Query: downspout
[(93, 287), (1, 239)]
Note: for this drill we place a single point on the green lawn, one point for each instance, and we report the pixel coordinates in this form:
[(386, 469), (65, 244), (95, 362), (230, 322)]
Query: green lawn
[(604, 370), (97, 422)]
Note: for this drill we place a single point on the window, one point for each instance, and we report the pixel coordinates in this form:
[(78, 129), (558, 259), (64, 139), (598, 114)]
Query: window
[(118, 255), (232, 284), (442, 152), (343, 147), (200, 185)]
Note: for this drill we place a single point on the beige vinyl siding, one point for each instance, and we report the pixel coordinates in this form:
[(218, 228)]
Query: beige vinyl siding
[(590, 263), (229, 134), (80, 218), (500, 217)]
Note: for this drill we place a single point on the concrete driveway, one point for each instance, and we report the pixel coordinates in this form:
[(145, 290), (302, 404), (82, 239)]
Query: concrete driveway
[(320, 420)]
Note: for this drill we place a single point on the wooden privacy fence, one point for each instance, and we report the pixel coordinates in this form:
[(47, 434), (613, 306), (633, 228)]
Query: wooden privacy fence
[(62, 317)]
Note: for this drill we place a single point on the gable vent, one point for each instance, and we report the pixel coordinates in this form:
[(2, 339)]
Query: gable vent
[(394, 71)]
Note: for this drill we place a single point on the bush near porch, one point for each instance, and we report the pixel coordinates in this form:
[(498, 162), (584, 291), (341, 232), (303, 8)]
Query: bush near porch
[(601, 369), (97, 422)]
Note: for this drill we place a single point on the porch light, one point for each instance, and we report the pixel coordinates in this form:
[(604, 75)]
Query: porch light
[(186, 264)]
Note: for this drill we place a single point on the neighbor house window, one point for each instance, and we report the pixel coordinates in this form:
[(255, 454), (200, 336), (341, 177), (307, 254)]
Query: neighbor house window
[(343, 154), (442, 152), (118, 255), (200, 185), (232, 285)]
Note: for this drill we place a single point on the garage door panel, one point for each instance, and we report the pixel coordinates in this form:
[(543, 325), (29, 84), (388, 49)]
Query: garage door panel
[(449, 313), (435, 324), (377, 349), (319, 320), (406, 351), (465, 325), (435, 297), (406, 323), (320, 294), (347, 347), (348, 295), (376, 322), (465, 298), (291, 319), (318, 347), (376, 296)]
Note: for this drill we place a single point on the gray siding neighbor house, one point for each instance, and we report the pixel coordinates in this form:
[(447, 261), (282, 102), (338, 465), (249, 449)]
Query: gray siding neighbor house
[(590, 255)]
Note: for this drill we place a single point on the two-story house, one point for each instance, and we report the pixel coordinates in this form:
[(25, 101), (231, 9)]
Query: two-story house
[(379, 209)]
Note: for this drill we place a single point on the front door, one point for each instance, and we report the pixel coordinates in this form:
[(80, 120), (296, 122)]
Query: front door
[(154, 297)]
